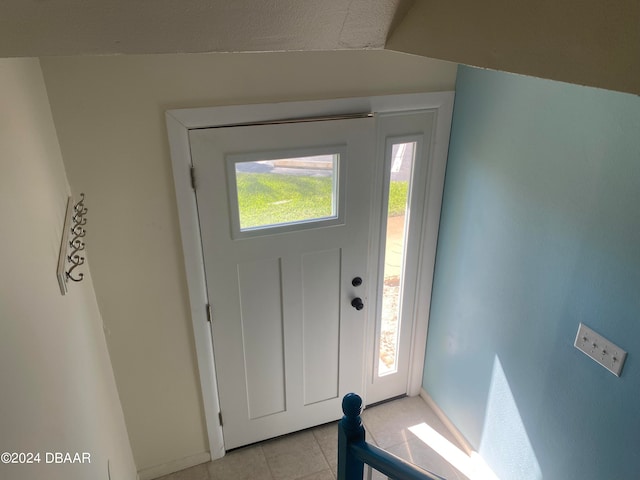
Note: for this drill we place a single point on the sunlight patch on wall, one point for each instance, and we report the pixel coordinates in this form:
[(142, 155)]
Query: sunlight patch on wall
[(505, 444)]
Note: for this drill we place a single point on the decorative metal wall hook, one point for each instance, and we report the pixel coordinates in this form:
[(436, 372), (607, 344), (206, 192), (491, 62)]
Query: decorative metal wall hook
[(73, 243)]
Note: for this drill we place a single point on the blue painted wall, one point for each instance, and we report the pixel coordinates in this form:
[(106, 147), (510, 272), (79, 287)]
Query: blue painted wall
[(540, 230)]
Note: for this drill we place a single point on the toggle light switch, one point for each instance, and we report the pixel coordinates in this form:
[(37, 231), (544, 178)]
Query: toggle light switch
[(594, 345)]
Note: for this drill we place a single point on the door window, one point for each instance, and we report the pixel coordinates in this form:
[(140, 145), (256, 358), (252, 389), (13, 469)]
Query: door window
[(272, 192)]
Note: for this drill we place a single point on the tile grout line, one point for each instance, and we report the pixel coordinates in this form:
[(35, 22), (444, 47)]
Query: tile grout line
[(266, 461), (315, 439), (369, 433), (324, 455), (327, 466)]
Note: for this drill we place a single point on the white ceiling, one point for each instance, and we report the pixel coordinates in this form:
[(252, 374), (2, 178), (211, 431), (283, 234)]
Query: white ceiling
[(71, 27)]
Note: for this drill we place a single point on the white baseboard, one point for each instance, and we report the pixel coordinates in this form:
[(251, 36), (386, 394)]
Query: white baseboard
[(174, 466), (466, 446)]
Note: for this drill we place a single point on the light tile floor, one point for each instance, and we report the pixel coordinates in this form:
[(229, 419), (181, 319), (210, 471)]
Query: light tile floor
[(312, 454)]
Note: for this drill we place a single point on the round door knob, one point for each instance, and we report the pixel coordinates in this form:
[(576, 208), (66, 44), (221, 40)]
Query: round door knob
[(356, 282), (357, 303)]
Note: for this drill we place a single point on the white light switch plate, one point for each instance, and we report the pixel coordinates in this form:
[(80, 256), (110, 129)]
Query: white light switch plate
[(594, 345)]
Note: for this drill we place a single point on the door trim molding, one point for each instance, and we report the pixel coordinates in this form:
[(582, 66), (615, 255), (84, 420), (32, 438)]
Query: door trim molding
[(429, 241), (180, 121)]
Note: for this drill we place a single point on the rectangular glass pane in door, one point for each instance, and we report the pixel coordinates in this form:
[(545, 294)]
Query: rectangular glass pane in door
[(398, 196), (285, 191)]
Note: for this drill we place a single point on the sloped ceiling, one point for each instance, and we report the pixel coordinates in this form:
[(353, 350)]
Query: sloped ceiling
[(588, 42), (72, 27)]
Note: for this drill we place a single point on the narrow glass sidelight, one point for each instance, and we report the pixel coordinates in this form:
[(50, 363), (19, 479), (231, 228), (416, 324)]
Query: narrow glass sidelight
[(398, 194)]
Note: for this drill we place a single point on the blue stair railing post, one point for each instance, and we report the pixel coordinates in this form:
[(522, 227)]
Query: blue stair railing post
[(350, 430), (354, 451)]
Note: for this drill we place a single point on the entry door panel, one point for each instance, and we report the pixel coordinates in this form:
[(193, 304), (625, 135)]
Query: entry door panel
[(287, 342)]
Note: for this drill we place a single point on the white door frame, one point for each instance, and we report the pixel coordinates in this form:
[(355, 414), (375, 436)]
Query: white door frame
[(179, 122)]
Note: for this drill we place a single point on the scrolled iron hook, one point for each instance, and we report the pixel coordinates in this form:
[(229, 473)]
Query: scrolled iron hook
[(76, 244)]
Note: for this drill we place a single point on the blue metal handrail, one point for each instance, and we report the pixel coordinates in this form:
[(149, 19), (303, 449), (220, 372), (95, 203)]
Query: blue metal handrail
[(354, 451)]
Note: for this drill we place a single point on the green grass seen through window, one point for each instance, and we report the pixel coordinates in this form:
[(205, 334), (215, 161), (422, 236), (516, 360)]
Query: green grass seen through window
[(270, 199)]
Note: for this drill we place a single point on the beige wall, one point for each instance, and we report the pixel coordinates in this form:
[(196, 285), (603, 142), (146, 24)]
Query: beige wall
[(109, 112), (58, 389), (587, 42)]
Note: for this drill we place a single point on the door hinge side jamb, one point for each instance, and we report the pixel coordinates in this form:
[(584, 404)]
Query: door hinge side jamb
[(209, 313), (192, 172), (220, 418)]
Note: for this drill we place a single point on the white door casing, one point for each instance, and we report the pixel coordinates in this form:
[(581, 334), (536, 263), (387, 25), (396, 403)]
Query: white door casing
[(181, 122)]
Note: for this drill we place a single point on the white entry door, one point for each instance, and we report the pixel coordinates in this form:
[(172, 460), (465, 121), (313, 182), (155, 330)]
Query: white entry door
[(284, 213), (284, 217)]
